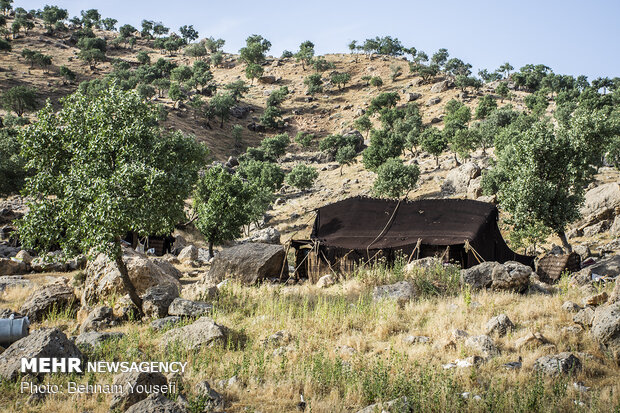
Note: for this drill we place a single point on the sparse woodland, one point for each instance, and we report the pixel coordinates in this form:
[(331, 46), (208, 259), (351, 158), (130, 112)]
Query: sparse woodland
[(106, 128)]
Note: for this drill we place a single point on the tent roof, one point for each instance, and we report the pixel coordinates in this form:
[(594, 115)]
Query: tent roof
[(360, 222)]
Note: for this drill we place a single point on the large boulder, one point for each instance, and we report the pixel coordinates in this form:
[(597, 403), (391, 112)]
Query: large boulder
[(479, 276), (140, 382), (499, 325), (563, 363), (156, 403), (440, 86), (100, 317), (458, 179), (615, 294), (10, 266), (482, 344), (57, 296), (103, 277), (188, 254), (201, 333), (12, 281), (600, 203), (606, 328), (511, 276), (249, 263), (94, 339), (46, 342)]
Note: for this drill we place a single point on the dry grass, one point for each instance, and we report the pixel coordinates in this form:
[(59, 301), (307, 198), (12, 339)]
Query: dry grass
[(316, 359)]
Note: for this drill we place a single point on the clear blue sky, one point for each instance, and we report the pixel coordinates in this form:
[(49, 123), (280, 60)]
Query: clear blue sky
[(571, 36)]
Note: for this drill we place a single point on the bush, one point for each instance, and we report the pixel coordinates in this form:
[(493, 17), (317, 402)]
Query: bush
[(275, 146), (314, 83), (304, 139), (302, 177), (12, 172), (263, 174), (376, 81)]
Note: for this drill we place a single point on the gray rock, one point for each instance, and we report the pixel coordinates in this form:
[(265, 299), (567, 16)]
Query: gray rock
[(600, 203), (440, 86), (268, 235), (156, 403), (46, 342), (584, 317), (563, 363), (24, 257), (499, 325), (607, 267), (212, 398), (411, 97), (615, 227), (52, 297), (433, 101), (188, 254), (482, 344), (187, 308), (157, 299), (267, 79), (416, 340), (99, 318), (165, 322), (393, 406), (249, 263), (103, 277), (479, 276), (606, 328), (12, 281), (326, 281), (9, 266), (94, 339), (615, 294), (511, 276), (400, 292), (458, 179), (570, 307), (201, 333), (139, 381)]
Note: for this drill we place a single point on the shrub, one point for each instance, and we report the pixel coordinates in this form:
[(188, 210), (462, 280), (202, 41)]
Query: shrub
[(394, 179), (302, 176)]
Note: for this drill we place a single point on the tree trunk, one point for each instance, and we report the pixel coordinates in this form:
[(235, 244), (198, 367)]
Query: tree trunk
[(456, 160), (565, 243), (211, 248), (131, 289)]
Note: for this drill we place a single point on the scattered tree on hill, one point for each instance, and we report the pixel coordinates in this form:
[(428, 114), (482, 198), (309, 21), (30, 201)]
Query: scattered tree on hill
[(287, 54), (433, 142), (486, 105), (396, 70), (376, 81), (505, 69), (537, 103), (6, 6), (314, 83), (320, 65), (188, 33), (304, 139), (383, 102), (92, 57), (353, 47), (305, 53), (51, 15), (67, 74), (262, 174), (457, 118), (19, 99), (363, 124), (255, 49), (275, 146), (237, 89), (214, 45), (345, 156), (253, 71), (109, 23), (440, 57), (159, 29), (394, 179), (91, 18), (195, 50), (221, 105), (464, 81), (175, 93), (5, 46), (130, 176), (340, 79), (503, 91), (489, 77), (302, 176), (217, 58), (384, 144), (143, 57)]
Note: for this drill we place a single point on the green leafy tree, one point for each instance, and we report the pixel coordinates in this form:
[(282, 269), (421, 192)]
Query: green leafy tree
[(67, 74), (440, 57), (363, 124), (214, 45), (196, 50), (262, 174), (382, 102), (503, 91), (376, 81), (109, 23), (6, 6), (127, 30), (52, 15), (5, 46), (237, 89), (287, 54), (188, 33), (304, 139), (12, 172), (159, 29), (92, 57), (433, 141), (275, 146), (302, 176), (102, 167), (143, 57), (486, 105), (537, 103), (340, 79), (221, 105), (254, 50), (505, 69), (314, 83), (91, 18), (19, 99), (175, 93), (181, 74), (220, 202), (277, 96), (397, 71), (217, 58), (464, 81), (305, 53), (394, 179), (345, 156), (384, 144), (253, 71), (320, 65)]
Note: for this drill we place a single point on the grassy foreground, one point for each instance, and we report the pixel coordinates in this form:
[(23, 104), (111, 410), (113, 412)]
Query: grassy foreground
[(343, 351)]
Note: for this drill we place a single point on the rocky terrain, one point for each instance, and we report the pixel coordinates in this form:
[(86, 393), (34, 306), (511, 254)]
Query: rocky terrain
[(495, 337)]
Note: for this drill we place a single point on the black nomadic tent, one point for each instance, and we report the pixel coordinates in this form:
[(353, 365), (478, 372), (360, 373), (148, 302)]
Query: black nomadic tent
[(362, 229)]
